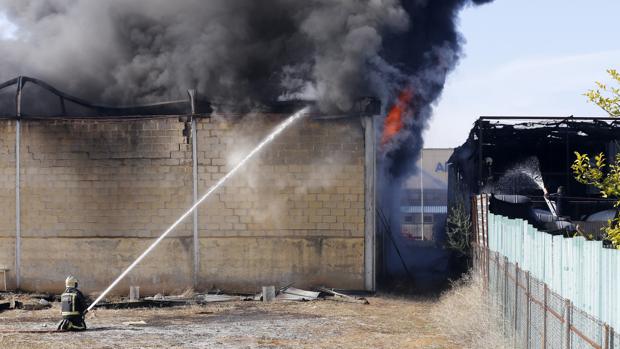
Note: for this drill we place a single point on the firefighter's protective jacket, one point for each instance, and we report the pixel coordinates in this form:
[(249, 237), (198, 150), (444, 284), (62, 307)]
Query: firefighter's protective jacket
[(72, 303)]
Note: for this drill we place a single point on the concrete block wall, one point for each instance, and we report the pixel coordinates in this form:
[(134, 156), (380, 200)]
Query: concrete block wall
[(96, 193), (7, 198), (295, 214)]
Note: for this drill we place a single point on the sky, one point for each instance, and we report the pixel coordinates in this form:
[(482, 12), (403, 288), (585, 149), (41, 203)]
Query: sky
[(521, 57), (527, 57)]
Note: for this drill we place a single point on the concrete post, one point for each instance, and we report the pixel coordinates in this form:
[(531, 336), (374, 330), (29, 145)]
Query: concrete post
[(134, 293), (196, 240), (269, 293), (370, 166), (18, 237)]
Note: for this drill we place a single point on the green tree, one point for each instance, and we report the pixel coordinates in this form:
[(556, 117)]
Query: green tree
[(605, 177), (606, 180), (458, 229), (608, 98)]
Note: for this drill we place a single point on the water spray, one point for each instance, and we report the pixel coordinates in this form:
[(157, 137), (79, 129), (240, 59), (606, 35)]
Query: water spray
[(551, 205), (281, 127), (530, 168)]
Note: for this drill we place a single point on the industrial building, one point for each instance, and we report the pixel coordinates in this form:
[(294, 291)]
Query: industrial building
[(84, 189), (517, 159)]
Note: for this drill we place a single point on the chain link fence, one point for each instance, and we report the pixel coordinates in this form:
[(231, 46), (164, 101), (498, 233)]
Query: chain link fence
[(535, 316)]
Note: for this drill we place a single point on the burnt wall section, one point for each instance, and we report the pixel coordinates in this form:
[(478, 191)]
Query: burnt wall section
[(95, 193)]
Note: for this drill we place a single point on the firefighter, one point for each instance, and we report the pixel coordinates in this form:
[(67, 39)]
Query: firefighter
[(560, 201), (73, 307)]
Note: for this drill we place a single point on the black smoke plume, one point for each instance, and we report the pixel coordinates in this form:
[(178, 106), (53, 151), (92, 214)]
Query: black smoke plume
[(129, 52)]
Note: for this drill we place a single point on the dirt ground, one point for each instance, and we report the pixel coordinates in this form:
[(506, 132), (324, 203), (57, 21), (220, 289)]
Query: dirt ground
[(387, 322)]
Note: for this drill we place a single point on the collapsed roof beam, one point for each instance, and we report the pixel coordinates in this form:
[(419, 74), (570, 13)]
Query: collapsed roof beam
[(160, 108)]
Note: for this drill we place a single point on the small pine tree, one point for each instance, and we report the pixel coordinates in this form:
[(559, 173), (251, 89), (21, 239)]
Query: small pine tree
[(458, 228)]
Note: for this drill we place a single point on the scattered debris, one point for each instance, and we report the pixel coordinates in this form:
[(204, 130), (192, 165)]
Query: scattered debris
[(35, 306), (146, 303), (26, 304), (134, 323), (161, 301), (296, 294), (189, 297), (337, 296), (11, 304), (209, 298), (158, 296), (188, 293), (5, 306)]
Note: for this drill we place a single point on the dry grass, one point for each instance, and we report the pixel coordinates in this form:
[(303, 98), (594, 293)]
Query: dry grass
[(459, 319), (467, 318), (387, 322)]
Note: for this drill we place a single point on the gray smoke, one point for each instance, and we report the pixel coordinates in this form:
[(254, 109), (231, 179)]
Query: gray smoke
[(126, 52), (150, 50)]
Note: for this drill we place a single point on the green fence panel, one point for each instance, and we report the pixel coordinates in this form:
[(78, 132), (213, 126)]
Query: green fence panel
[(580, 270)]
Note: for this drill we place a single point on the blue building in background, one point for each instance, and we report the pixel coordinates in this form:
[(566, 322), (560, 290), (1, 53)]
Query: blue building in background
[(414, 253)]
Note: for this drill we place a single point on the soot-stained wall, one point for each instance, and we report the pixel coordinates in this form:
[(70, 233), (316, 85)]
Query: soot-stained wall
[(94, 195)]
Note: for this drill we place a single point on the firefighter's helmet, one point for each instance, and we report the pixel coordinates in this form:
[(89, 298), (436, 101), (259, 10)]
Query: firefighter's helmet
[(71, 281)]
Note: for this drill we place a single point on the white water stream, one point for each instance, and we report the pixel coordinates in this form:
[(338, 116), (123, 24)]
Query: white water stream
[(281, 127), (530, 168)]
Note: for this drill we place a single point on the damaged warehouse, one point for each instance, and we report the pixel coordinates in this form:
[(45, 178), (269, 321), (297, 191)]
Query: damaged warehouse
[(94, 184), (525, 163)]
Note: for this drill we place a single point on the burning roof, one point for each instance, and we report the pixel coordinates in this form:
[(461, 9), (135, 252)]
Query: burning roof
[(497, 144), (28, 97)]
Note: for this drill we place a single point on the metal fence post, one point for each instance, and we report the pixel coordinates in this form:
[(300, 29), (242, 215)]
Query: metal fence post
[(567, 323), (528, 318), (606, 336), (515, 315), (487, 265), (544, 334), (497, 276), (505, 299)]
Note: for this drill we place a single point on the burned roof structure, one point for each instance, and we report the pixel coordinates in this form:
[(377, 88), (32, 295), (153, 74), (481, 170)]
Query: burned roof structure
[(27, 97), (502, 152)]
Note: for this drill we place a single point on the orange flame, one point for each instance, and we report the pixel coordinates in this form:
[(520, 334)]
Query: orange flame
[(394, 120)]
